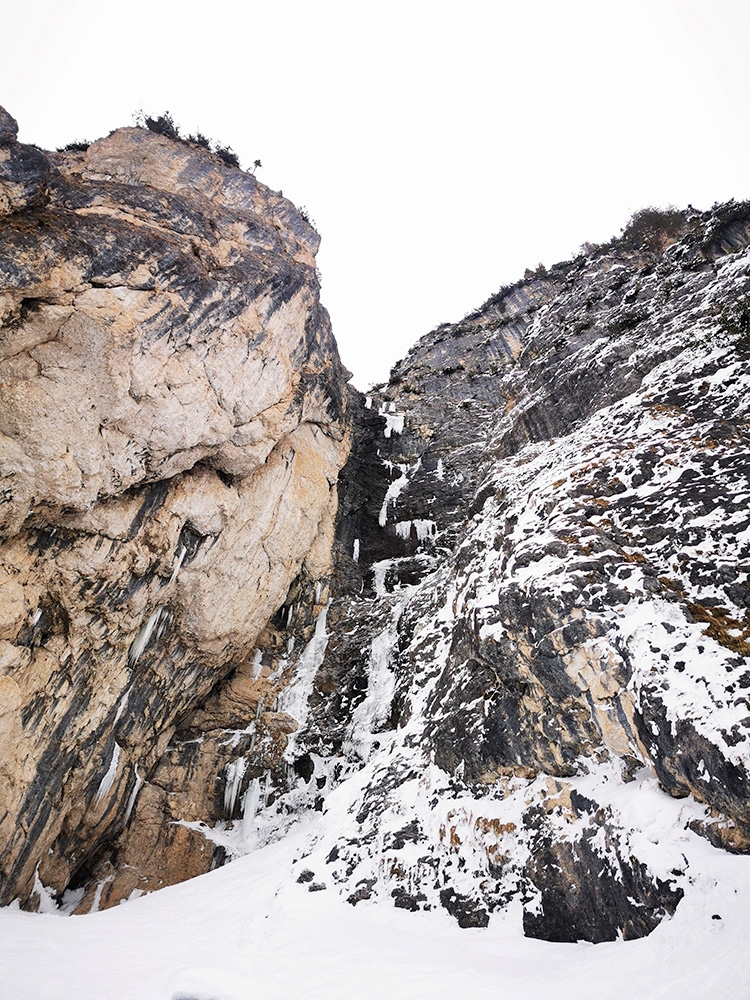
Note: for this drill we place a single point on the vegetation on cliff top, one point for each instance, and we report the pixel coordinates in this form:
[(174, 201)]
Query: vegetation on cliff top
[(165, 125)]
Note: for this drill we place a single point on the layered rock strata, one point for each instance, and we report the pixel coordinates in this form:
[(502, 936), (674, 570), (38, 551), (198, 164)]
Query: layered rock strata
[(171, 429)]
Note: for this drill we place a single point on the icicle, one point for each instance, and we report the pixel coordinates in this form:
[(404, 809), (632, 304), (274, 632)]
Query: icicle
[(109, 778), (257, 664), (373, 711), (440, 471), (291, 776), (318, 591), (176, 570), (98, 894), (293, 699), (392, 493), (266, 789), (249, 808), (235, 772), (290, 612), (425, 529), (133, 795), (368, 403), (120, 707), (394, 422), (355, 551), (403, 529), (142, 637), (37, 616)]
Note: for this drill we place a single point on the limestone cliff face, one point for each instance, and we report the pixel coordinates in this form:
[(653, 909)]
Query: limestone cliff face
[(171, 430)]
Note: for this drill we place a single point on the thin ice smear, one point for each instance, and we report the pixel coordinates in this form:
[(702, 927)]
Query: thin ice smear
[(143, 637), (108, 780)]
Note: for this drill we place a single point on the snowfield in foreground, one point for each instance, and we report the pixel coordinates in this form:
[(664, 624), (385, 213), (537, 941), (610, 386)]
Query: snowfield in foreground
[(248, 930)]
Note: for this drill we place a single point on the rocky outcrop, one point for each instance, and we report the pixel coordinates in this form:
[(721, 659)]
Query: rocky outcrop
[(552, 612), (172, 424), (24, 170)]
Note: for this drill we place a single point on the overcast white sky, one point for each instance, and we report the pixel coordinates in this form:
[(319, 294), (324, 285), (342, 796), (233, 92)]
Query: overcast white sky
[(441, 148)]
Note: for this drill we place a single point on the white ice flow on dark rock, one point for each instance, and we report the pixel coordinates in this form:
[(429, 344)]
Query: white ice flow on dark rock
[(535, 690), (109, 778)]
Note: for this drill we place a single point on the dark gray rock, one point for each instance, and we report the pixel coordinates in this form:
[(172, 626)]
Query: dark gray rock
[(467, 911), (24, 174), (515, 673), (8, 128), (585, 895)]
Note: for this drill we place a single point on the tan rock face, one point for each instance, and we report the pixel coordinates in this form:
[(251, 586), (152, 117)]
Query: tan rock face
[(171, 429)]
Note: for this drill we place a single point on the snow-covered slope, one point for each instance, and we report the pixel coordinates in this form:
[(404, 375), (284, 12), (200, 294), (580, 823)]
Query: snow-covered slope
[(249, 931)]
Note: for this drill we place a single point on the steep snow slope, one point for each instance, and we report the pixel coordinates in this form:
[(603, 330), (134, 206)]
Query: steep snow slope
[(249, 931)]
